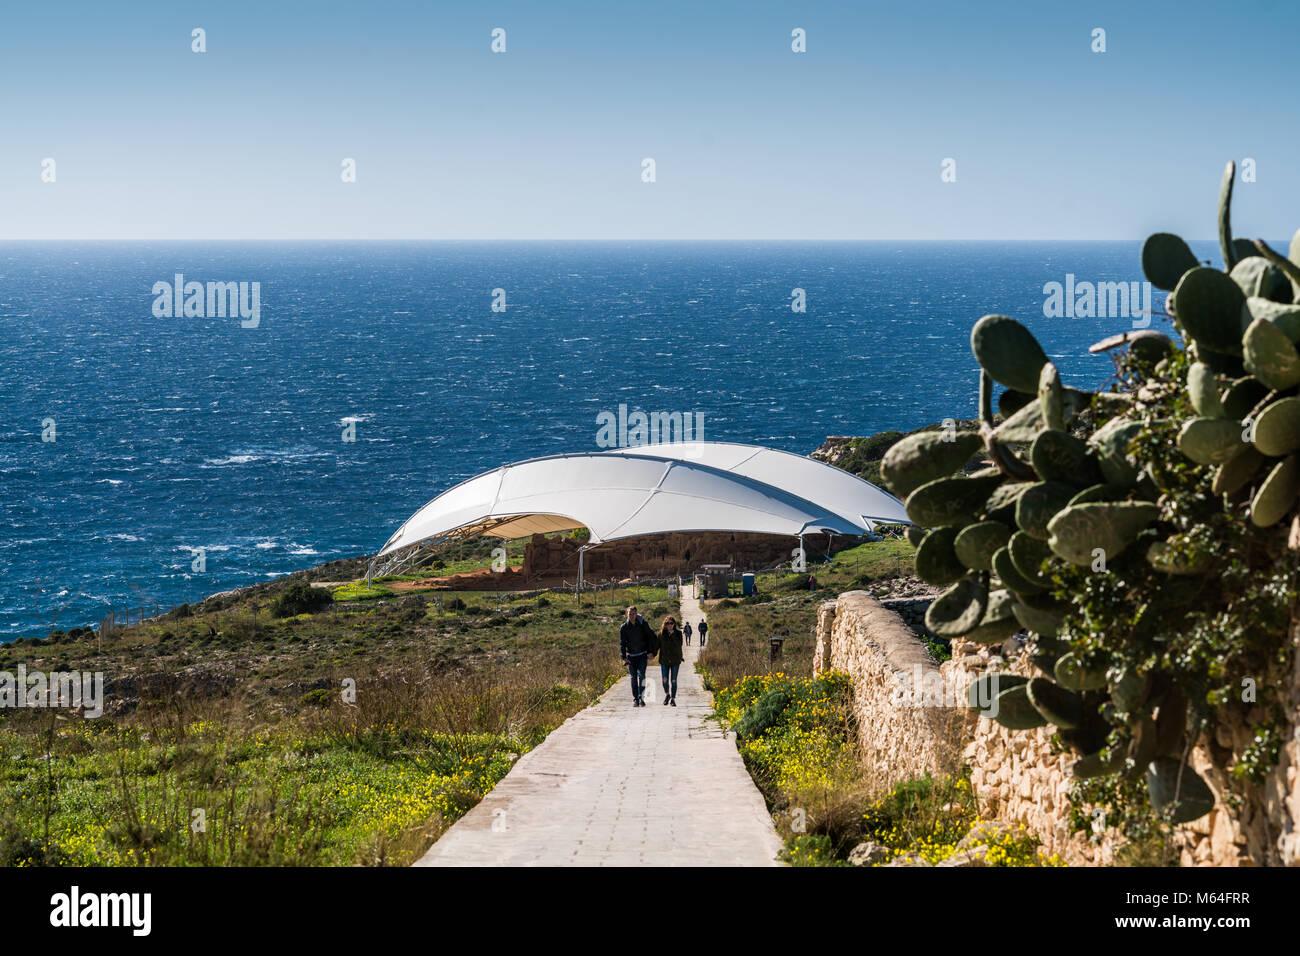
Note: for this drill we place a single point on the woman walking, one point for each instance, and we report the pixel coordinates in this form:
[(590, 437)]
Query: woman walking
[(686, 629), (670, 658)]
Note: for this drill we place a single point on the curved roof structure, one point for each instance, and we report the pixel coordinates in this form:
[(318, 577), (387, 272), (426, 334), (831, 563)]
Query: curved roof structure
[(834, 488), (646, 490)]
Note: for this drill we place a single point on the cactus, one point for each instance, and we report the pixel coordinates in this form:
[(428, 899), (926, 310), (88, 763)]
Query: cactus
[(1082, 533), (1209, 305), (1233, 474), (1174, 785), (1268, 355), (1072, 675), (936, 561), (918, 459), (976, 544), (987, 687), (1277, 495), (958, 609), (1015, 711), (1057, 456), (950, 501), (1165, 257), (1041, 615), (1241, 397), (1277, 431), (1210, 441), (1039, 504), (1078, 475), (1204, 391), (1059, 706), (1008, 352)]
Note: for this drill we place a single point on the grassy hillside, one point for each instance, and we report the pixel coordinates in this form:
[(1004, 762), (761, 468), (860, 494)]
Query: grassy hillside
[(231, 735)]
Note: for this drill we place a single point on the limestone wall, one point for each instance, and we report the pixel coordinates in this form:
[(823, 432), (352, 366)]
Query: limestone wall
[(912, 719)]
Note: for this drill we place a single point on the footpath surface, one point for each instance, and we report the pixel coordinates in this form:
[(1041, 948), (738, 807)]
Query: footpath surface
[(618, 785)]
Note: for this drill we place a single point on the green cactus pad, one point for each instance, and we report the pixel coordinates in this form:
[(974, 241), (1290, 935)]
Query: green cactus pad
[(998, 622), (917, 459), (1208, 305), (1071, 675), (1051, 397), (1010, 576), (1210, 441), (1028, 554), (1011, 401), (976, 543), (950, 501), (1285, 316), (1174, 786), (1277, 495), (1241, 397), (1039, 616), (1226, 245), (1095, 765), (1233, 474), (1080, 530), (1001, 505), (1165, 257), (1277, 431), (1039, 504), (1008, 352), (958, 609), (1059, 706), (915, 535), (1203, 389), (1101, 492), (1057, 456), (936, 562), (1111, 442), (1015, 712), (982, 692), (1256, 276), (1269, 355)]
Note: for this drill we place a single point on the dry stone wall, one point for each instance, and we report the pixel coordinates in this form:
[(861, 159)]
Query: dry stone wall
[(912, 719)]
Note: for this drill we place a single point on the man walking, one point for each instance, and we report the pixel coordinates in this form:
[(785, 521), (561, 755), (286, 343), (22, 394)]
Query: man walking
[(703, 632), (637, 641), (686, 629)]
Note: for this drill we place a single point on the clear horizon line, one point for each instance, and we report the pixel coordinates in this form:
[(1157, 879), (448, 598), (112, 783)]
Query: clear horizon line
[(570, 239)]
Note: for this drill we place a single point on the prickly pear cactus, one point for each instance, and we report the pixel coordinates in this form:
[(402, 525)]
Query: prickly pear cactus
[(1120, 528)]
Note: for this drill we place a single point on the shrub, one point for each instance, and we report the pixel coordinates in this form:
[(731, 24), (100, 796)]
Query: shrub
[(301, 598)]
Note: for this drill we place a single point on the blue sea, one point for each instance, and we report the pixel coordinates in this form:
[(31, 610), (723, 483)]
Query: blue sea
[(175, 434)]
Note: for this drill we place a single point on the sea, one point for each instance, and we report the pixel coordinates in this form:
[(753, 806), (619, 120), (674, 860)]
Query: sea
[(151, 456)]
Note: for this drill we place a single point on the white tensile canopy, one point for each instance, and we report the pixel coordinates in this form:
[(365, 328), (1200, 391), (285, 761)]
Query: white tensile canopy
[(844, 493), (652, 489)]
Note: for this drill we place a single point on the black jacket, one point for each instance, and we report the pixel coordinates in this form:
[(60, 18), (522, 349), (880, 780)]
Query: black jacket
[(637, 638)]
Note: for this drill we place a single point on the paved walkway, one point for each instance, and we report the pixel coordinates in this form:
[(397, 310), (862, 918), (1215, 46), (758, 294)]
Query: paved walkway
[(623, 786)]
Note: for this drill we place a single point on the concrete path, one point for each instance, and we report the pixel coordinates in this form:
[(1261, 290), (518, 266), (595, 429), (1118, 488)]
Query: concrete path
[(618, 785)]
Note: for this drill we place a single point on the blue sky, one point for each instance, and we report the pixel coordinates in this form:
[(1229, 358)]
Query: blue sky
[(750, 140)]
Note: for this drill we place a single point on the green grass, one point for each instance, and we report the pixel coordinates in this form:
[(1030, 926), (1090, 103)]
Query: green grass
[(224, 709)]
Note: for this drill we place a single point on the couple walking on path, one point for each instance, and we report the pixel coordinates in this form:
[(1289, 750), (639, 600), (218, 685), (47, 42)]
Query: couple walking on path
[(638, 642)]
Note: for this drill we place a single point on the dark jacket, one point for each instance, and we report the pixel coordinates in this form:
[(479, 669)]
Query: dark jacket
[(637, 638), (670, 647)]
